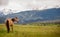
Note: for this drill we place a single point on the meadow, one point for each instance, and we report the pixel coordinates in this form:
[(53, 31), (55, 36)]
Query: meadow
[(31, 31)]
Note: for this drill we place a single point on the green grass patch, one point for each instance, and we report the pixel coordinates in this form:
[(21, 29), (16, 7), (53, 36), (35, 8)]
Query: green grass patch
[(31, 31)]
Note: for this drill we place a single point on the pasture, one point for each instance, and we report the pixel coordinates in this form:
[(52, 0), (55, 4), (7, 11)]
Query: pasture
[(31, 31)]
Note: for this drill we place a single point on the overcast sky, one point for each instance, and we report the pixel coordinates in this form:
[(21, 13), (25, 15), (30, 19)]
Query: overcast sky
[(22, 5)]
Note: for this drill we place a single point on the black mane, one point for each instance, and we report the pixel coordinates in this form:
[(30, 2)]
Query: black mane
[(13, 19)]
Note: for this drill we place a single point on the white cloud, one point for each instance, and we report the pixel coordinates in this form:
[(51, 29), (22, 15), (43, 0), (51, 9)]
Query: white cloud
[(4, 2), (21, 5)]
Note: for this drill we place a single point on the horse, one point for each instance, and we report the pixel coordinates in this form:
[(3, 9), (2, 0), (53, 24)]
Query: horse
[(9, 22)]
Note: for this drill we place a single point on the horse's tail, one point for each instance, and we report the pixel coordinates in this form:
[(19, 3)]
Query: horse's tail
[(7, 25)]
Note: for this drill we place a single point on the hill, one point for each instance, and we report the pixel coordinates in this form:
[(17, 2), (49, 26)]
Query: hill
[(36, 15)]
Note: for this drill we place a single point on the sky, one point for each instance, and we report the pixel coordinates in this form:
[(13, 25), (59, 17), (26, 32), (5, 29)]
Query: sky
[(23, 5)]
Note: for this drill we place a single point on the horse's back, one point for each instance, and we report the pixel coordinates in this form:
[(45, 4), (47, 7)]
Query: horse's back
[(9, 21)]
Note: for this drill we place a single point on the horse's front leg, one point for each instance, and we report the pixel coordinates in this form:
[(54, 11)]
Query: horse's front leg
[(12, 27)]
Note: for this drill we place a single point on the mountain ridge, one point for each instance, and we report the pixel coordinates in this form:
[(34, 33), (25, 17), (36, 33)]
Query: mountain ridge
[(36, 15)]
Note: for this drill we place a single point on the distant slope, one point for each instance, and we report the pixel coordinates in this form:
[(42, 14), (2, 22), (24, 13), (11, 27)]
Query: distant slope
[(37, 15)]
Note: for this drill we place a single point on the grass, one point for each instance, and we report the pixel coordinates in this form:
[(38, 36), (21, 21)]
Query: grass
[(31, 31)]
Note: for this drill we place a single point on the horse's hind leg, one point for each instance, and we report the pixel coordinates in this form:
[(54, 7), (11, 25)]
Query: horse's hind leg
[(7, 25), (8, 29)]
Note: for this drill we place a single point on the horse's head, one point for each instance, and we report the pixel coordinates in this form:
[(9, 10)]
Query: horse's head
[(15, 19)]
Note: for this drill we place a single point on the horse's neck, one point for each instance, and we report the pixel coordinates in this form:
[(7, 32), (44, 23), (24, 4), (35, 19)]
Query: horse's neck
[(13, 19)]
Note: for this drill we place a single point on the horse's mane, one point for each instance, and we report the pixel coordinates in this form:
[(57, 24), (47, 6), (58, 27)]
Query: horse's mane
[(13, 19)]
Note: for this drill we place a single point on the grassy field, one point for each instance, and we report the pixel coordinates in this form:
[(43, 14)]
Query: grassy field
[(31, 31)]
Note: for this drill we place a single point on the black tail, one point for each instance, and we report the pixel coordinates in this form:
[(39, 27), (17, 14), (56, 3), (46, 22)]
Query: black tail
[(7, 25)]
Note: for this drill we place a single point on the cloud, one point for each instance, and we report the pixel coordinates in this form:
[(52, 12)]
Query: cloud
[(39, 4), (3, 2), (21, 5)]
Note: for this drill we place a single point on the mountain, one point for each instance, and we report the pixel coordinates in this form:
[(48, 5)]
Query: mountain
[(1, 14), (36, 15), (5, 12)]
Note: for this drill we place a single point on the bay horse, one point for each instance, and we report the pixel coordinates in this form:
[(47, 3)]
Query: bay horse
[(9, 22)]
